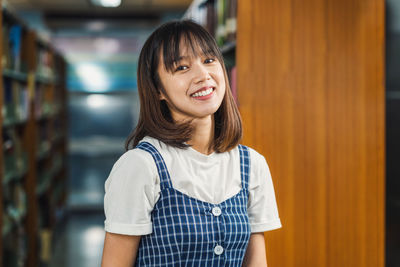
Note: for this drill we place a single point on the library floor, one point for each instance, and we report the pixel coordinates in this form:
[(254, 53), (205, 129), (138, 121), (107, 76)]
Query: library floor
[(79, 240)]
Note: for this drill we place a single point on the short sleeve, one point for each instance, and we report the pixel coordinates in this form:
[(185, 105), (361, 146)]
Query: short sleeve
[(262, 208), (131, 191)]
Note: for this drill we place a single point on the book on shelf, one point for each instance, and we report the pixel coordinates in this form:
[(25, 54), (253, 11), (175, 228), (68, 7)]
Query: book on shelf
[(15, 157), (16, 102), (20, 100), (15, 42), (6, 55), (8, 109), (58, 190), (44, 181), (20, 199), (16, 205), (226, 29), (43, 141), (44, 211), (220, 31), (38, 100), (231, 21), (217, 16), (211, 20), (15, 246), (57, 163), (45, 244), (13, 230), (12, 41), (197, 12), (12, 35), (44, 63)]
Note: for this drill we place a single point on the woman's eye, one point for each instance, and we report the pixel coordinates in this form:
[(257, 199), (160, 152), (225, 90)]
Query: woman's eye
[(181, 68), (209, 60)]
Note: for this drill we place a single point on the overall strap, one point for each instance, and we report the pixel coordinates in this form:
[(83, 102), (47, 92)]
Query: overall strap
[(244, 165), (165, 180)]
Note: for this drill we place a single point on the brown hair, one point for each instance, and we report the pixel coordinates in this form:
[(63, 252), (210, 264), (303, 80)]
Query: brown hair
[(155, 119)]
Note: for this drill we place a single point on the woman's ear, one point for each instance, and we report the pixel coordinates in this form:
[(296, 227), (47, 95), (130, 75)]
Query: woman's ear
[(162, 96)]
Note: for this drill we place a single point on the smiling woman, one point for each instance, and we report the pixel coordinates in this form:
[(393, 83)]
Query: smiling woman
[(188, 193), (179, 60), (195, 89)]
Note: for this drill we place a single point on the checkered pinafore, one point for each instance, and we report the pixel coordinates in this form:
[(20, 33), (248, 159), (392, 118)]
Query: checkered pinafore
[(191, 232)]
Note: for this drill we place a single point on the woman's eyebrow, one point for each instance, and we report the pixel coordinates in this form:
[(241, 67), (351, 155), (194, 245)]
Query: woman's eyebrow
[(182, 58), (188, 57), (179, 59)]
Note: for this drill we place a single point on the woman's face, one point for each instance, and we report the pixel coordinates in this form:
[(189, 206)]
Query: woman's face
[(195, 88)]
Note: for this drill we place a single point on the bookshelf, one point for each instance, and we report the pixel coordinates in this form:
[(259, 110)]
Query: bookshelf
[(33, 137), (219, 18)]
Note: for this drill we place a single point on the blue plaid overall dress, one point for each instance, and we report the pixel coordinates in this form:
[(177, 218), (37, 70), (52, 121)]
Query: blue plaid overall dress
[(190, 232)]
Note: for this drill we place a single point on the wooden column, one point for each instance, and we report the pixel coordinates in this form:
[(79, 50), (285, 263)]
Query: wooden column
[(31, 147), (311, 94), (1, 142)]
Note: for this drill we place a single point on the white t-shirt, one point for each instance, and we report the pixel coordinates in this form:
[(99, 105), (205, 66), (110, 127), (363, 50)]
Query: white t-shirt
[(133, 186)]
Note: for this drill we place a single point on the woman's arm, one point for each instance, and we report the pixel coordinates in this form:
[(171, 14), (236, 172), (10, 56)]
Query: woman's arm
[(119, 250), (255, 254)]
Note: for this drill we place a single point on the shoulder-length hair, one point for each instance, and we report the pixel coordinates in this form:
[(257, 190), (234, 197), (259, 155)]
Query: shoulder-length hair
[(155, 119)]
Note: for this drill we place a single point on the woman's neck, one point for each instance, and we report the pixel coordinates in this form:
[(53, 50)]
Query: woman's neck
[(203, 135)]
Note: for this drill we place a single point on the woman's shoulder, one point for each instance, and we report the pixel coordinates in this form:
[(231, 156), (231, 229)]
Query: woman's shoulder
[(134, 165), (133, 158), (259, 169), (258, 163), (159, 145), (255, 156), (166, 151)]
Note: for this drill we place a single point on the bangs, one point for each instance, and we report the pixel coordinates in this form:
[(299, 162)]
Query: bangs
[(191, 39)]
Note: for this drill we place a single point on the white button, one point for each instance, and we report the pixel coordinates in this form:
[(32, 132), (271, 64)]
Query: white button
[(216, 211), (218, 250)]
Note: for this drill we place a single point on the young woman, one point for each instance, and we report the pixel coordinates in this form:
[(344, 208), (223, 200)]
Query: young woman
[(187, 194)]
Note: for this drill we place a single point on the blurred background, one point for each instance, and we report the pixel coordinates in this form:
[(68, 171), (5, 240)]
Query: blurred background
[(70, 100)]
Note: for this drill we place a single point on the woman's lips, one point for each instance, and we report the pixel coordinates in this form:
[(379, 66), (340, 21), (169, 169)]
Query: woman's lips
[(203, 91), (203, 94)]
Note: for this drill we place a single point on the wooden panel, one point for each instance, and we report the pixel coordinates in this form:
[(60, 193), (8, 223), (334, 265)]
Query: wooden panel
[(1, 142), (311, 94), (30, 144)]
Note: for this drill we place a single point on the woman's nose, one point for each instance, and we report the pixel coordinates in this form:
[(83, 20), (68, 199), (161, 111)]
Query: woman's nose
[(201, 73)]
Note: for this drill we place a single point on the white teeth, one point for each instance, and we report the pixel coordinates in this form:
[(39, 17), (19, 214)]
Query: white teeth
[(203, 93)]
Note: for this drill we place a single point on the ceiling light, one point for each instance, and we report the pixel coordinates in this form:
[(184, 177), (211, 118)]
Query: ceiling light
[(96, 101), (106, 45), (107, 3), (96, 26), (93, 77)]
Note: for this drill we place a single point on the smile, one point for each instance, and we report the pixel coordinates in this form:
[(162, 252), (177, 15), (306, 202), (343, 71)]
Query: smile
[(203, 93)]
